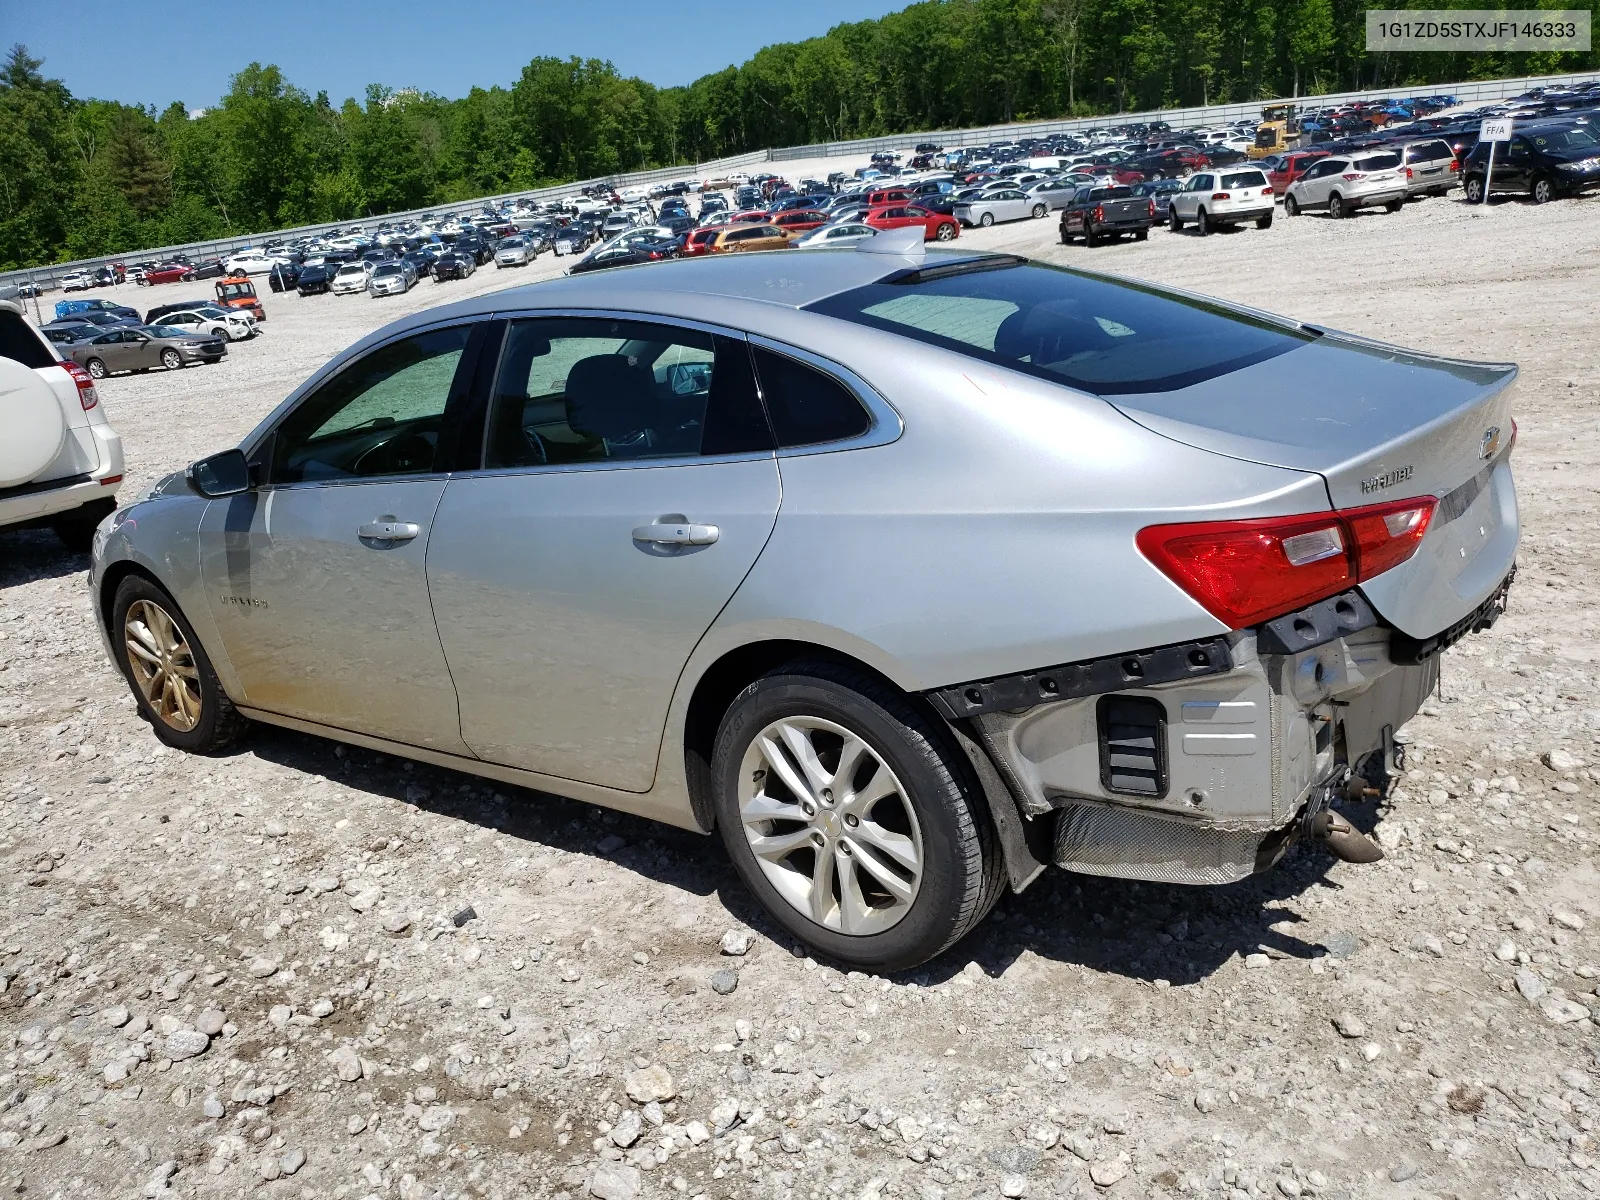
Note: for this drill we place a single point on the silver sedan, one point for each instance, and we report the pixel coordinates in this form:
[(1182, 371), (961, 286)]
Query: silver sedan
[(1003, 204), (911, 572)]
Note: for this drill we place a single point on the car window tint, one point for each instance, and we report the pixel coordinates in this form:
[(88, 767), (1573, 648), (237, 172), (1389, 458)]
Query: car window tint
[(806, 406), (1105, 337), (587, 391), (20, 344), (378, 416), (1245, 179), (1378, 162)]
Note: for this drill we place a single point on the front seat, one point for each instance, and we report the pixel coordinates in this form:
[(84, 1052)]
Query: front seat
[(610, 398)]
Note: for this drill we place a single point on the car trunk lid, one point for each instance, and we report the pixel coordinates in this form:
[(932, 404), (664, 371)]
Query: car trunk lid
[(1378, 423)]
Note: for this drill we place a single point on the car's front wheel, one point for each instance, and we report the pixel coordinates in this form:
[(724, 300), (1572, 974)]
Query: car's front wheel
[(173, 683), (171, 359), (946, 232), (852, 817), (1291, 207), (1038, 211)]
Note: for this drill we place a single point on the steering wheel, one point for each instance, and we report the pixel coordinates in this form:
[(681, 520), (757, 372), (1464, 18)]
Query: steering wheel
[(536, 445), (407, 452)]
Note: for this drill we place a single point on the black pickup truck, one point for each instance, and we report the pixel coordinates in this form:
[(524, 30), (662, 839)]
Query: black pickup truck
[(1107, 211)]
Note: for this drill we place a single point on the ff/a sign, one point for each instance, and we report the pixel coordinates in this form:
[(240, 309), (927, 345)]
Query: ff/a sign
[(1496, 129)]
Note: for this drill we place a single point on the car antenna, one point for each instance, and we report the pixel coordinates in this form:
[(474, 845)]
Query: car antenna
[(906, 243)]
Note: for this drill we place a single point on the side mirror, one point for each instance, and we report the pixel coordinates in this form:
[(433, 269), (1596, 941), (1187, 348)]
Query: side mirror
[(224, 474)]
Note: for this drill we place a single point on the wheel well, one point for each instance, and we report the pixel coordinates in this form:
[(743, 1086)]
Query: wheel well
[(111, 581), (715, 691)]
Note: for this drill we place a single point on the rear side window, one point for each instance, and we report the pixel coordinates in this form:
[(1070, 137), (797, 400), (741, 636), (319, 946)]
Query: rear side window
[(1245, 179), (805, 406), (1106, 337), (19, 343)]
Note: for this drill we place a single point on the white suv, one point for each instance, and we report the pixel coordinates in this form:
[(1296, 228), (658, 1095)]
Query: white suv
[(1222, 197), (60, 460), (1344, 183)]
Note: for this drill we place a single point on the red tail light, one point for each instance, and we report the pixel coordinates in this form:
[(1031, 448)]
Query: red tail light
[(1454, 165), (1222, 195), (1152, 208), (1267, 191), (1247, 572), (1354, 175), (1099, 214), (1408, 172), (87, 396)]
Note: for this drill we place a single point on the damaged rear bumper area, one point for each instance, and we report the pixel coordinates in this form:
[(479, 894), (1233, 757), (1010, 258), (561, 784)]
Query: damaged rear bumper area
[(1200, 763)]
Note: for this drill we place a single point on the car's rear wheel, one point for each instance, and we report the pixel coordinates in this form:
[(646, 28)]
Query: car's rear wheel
[(1264, 222), (986, 220), (76, 529), (1336, 208), (171, 359), (1291, 207), (852, 818), (96, 368), (1474, 190), (1544, 190), (173, 683), (1202, 222), (1090, 237), (1394, 205)]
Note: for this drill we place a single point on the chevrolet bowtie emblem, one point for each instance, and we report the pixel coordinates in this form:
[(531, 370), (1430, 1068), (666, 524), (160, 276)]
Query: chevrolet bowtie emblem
[(1490, 443)]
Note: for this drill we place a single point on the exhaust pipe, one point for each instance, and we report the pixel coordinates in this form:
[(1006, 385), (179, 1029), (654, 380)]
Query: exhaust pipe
[(1346, 842)]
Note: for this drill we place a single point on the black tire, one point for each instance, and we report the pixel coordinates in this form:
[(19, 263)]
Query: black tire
[(1291, 207), (1264, 222), (1394, 206), (1202, 222), (1174, 221), (962, 869), (171, 359), (1141, 235), (76, 529), (1544, 190), (986, 220), (96, 368), (1474, 190), (1039, 210), (219, 724), (1336, 209), (1090, 237)]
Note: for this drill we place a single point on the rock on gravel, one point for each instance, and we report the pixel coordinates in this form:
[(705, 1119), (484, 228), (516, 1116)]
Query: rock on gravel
[(346, 1064), (736, 942), (615, 1181), (724, 982), (649, 1083), (1349, 1025), (627, 1129), (185, 1043)]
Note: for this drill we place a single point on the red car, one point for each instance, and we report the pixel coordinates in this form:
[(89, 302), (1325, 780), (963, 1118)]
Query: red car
[(1290, 167), (165, 273), (935, 226), (750, 216), (887, 196), (699, 241), (799, 220)]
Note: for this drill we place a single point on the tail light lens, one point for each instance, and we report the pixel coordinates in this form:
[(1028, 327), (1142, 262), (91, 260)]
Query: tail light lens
[(1247, 572), (1454, 165), (1099, 214), (87, 396), (1152, 208), (1222, 195), (1408, 173), (1354, 175)]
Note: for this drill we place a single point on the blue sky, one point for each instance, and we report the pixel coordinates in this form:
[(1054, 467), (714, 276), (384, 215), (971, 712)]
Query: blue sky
[(120, 50)]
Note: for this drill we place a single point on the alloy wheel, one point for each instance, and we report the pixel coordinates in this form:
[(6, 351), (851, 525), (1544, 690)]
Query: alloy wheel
[(162, 665), (171, 359), (96, 368), (830, 825)]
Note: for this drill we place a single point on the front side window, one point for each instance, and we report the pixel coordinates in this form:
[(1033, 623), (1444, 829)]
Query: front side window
[(380, 415), (587, 391), (1101, 336)]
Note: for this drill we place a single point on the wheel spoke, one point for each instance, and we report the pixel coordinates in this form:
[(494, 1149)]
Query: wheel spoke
[(760, 808), (784, 768), (892, 845), (854, 911), (799, 743), (136, 646), (822, 888), (901, 889), (850, 755), (148, 682), (881, 786), (778, 846)]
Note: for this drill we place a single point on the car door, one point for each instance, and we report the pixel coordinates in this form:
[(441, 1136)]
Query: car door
[(140, 350), (317, 576), (1313, 187), (627, 487), (1514, 171)]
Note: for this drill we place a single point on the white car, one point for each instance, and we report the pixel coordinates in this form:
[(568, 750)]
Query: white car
[(1228, 196), (253, 262), (1343, 183), (76, 281), (234, 326), (60, 460), (845, 234), (350, 278)]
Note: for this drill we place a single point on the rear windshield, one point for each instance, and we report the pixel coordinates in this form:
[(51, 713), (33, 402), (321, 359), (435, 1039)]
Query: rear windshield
[(20, 344), (1378, 162), (1244, 179), (1429, 152), (1103, 336)]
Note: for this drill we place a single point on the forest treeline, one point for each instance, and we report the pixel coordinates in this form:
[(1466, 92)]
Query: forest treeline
[(84, 177)]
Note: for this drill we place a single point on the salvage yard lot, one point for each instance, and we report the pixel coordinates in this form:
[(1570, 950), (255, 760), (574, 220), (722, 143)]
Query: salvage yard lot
[(1409, 1028)]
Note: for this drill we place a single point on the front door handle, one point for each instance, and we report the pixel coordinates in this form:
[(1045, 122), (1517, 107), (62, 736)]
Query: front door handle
[(390, 531), (677, 535)]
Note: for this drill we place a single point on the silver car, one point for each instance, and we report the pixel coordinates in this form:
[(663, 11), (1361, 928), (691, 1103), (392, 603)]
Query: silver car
[(1002, 204), (912, 577)]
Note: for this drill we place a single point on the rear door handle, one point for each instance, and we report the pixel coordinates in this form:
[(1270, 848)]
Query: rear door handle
[(677, 535), (390, 531)]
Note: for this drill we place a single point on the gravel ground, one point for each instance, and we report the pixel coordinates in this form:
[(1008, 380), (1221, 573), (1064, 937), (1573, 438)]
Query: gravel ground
[(307, 971)]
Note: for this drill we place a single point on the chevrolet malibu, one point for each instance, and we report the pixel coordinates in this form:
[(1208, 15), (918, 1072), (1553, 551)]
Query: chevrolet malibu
[(911, 572)]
